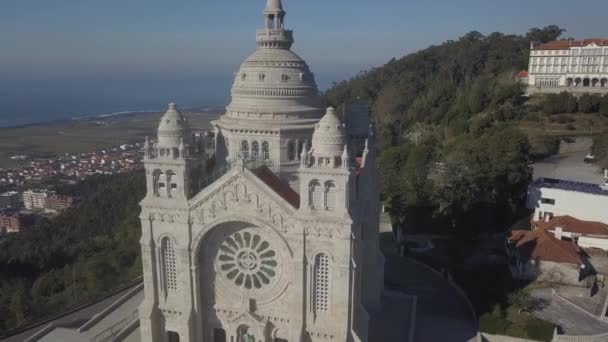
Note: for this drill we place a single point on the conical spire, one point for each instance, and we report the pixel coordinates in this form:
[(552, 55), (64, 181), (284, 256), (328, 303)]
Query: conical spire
[(274, 6)]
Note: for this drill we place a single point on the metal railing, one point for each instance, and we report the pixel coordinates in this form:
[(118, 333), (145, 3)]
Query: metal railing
[(108, 334)]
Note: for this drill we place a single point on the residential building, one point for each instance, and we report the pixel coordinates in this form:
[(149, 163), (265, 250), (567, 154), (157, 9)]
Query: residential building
[(58, 203), (34, 199), (10, 199), (569, 65), (539, 255), (586, 234), (13, 222), (550, 197)]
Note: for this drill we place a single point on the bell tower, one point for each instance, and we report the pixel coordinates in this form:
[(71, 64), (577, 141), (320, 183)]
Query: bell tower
[(175, 164), (174, 168)]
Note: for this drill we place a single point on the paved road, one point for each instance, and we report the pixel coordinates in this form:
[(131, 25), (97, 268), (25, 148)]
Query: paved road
[(572, 319), (81, 315), (569, 164), (442, 313)]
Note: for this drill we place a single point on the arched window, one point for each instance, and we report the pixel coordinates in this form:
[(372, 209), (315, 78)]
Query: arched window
[(316, 195), (330, 196), (172, 181), (291, 152), (265, 150), (321, 283), (169, 266), (245, 149), (300, 148), (219, 335), (172, 336), (255, 150), (161, 184)]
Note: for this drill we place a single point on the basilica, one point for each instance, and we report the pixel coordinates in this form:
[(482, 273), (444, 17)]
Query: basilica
[(274, 235), (270, 236)]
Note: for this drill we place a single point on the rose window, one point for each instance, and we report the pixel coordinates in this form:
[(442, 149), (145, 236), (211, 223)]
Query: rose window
[(247, 260)]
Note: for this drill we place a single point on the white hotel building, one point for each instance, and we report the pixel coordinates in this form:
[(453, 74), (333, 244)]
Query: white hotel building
[(569, 65)]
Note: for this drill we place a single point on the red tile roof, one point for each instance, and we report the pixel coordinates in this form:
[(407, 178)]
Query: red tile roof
[(543, 245), (573, 225), (566, 44), (522, 74), (278, 186)]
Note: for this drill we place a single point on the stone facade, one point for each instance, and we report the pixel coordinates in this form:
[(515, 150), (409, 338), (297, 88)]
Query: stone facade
[(237, 254), (569, 65)]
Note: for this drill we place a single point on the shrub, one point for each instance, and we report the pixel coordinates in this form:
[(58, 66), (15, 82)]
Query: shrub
[(494, 322), (559, 103), (589, 103), (543, 146), (562, 119), (539, 329), (604, 105)]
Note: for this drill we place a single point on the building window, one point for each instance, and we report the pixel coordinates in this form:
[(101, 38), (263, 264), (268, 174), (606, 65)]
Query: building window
[(265, 150), (245, 149), (172, 181), (321, 283), (330, 196), (219, 335), (255, 150), (291, 150), (172, 336), (169, 265), (160, 188), (316, 195), (547, 201)]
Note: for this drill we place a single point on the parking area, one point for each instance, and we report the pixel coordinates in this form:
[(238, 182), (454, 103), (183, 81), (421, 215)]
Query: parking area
[(569, 164)]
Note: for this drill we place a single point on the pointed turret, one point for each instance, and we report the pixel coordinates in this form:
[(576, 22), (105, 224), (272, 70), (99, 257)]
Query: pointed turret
[(172, 132), (328, 139), (345, 158)]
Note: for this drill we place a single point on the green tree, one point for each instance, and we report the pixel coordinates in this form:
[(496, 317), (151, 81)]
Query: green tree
[(19, 304), (600, 149), (604, 105), (545, 35), (589, 103)]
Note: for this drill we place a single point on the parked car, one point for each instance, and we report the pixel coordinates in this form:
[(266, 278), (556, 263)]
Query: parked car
[(590, 158)]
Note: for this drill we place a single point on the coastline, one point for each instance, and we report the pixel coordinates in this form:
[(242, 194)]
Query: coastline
[(96, 117), (86, 134)]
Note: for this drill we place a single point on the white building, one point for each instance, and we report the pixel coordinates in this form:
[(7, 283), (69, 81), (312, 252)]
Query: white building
[(569, 65), (552, 197), (280, 242), (34, 199)]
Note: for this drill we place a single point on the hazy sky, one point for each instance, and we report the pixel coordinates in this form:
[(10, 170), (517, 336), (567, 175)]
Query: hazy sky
[(122, 38)]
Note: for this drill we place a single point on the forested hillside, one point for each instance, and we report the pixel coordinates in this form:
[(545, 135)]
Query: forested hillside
[(450, 155), (78, 256)]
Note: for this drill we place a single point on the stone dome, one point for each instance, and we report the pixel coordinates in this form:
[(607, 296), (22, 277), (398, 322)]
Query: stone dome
[(173, 128), (358, 118), (274, 81), (329, 137)]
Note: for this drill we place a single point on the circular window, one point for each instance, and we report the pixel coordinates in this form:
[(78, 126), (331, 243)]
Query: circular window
[(247, 260)]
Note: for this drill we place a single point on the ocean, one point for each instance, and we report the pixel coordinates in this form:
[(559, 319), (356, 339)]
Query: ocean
[(37, 101), (24, 102)]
